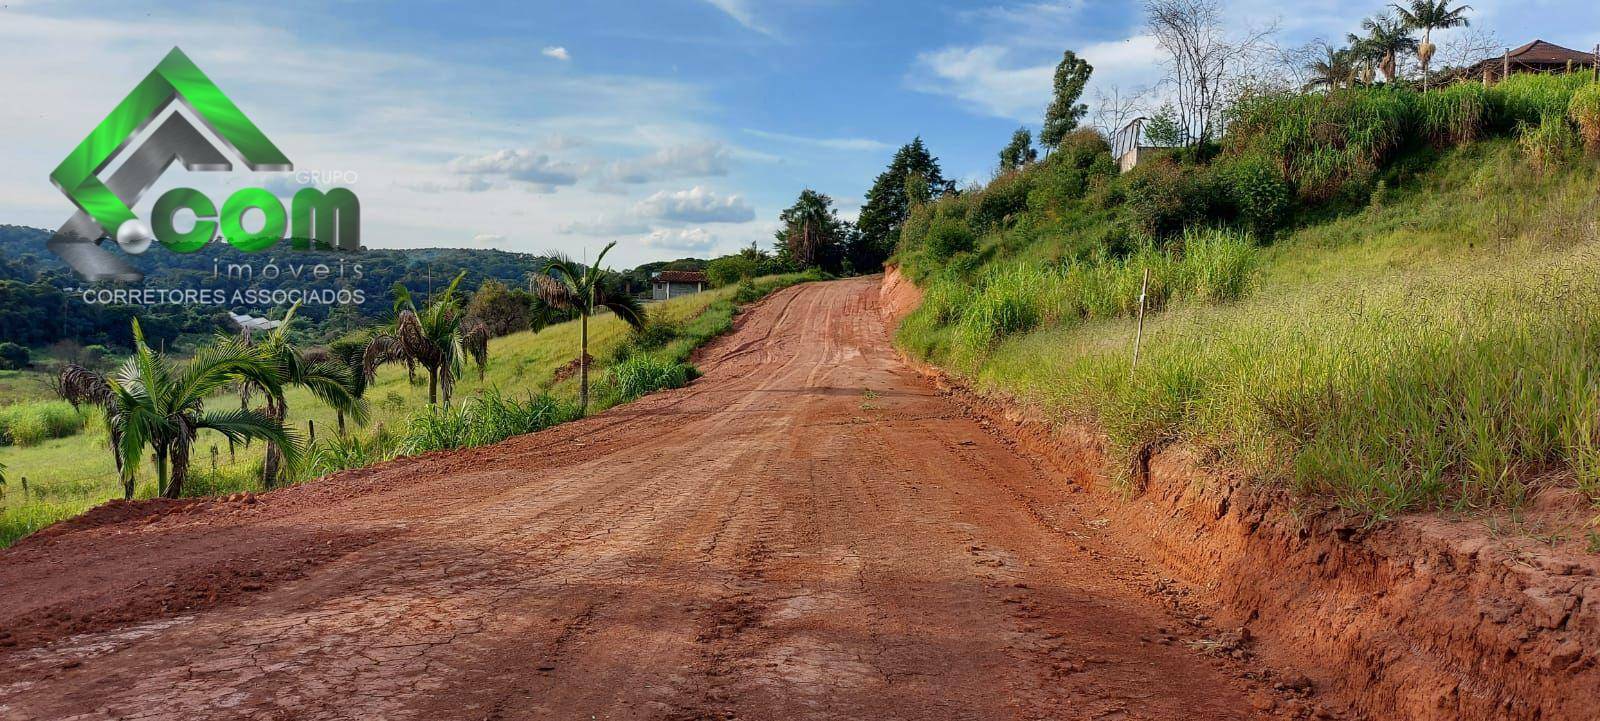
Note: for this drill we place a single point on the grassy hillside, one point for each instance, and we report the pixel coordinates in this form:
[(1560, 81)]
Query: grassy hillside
[(1412, 325), (71, 474)]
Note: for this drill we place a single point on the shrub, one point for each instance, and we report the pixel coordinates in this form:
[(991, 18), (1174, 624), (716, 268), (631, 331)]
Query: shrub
[(731, 269), (13, 357), (1584, 109), (1453, 115), (1547, 142), (1161, 196), (1258, 191), (1083, 149), (29, 424), (1002, 200), (948, 236)]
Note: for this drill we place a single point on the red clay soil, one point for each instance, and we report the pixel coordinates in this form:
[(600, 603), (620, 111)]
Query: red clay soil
[(1426, 617), (809, 531)]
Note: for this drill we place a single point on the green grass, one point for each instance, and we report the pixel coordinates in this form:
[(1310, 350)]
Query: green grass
[(1438, 348), (518, 393), (31, 423)]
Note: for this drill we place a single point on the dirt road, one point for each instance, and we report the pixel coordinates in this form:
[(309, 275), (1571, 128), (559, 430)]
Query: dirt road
[(808, 532)]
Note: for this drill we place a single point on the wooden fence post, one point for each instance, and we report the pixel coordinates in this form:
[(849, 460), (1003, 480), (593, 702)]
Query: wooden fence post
[(1138, 337)]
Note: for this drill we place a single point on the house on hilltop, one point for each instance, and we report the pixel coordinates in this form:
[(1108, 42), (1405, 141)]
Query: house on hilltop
[(668, 284), (1535, 57)]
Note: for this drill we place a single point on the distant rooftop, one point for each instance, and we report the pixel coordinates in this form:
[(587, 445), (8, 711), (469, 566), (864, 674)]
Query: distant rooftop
[(680, 276)]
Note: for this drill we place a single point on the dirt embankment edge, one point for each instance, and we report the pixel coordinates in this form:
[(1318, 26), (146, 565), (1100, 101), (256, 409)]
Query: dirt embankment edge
[(1419, 618)]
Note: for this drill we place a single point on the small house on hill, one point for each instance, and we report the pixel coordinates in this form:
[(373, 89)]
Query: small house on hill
[(668, 284), (1535, 57)]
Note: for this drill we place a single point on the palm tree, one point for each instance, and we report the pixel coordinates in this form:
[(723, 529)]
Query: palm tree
[(1337, 68), (153, 403), (567, 284), (1386, 39), (327, 380), (1426, 15), (439, 337)]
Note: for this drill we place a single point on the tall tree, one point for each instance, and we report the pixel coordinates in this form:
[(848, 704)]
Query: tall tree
[(1208, 58), (1062, 117), (1335, 69), (1426, 15), (569, 285), (155, 404), (1019, 151), (887, 203), (1387, 38), (439, 337), (812, 235)]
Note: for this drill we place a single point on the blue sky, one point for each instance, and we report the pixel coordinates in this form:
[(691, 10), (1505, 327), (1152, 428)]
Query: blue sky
[(678, 127)]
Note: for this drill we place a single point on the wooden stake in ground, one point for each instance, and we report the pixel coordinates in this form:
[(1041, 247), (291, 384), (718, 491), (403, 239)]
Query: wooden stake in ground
[(1138, 336)]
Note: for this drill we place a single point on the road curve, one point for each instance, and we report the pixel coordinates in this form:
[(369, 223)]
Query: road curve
[(809, 531)]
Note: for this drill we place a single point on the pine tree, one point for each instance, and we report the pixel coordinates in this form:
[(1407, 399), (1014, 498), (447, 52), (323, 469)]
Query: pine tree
[(888, 202), (1019, 151), (1065, 111)]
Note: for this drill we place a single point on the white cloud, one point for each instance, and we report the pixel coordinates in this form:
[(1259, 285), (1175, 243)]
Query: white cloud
[(694, 240), (695, 205), (990, 80), (741, 13), (557, 52), (690, 160), (486, 240), (537, 169), (604, 225), (846, 144)]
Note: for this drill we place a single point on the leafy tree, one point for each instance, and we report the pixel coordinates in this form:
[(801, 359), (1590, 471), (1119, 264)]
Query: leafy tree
[(568, 284), (1019, 151), (499, 309), (1428, 15), (1062, 117), (155, 404), (438, 337), (13, 356), (1163, 129), (812, 235), (730, 269), (888, 203)]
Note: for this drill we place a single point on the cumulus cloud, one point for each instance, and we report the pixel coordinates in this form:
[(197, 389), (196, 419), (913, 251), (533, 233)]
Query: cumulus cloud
[(695, 205), (486, 240), (557, 52), (991, 80), (537, 169), (690, 160), (695, 240), (604, 225)]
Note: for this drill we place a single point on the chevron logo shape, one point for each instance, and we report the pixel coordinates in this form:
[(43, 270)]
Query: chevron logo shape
[(176, 78)]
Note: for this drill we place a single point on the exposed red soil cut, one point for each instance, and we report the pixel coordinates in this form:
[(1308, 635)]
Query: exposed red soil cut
[(808, 531), (1420, 618)]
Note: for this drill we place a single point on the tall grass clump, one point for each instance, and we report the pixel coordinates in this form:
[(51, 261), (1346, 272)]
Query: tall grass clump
[(1453, 115), (489, 417), (1584, 109), (643, 374), (32, 423), (1531, 97), (1548, 142), (1322, 141)]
